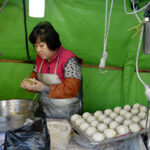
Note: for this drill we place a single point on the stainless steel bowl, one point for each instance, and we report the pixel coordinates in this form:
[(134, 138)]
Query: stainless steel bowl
[(14, 112)]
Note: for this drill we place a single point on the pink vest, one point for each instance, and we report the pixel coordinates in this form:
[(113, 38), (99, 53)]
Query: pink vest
[(48, 67)]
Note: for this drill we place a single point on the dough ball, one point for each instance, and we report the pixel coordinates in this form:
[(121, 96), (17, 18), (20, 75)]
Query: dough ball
[(79, 121), (86, 115), (117, 109), (107, 120), (142, 115), (136, 105), (122, 129), (127, 107), (134, 111), (113, 125), (90, 131), (119, 119), (143, 123), (97, 113), (98, 137), (101, 117), (84, 126), (143, 109), (134, 127), (128, 115), (135, 119), (90, 119), (127, 122), (107, 112), (101, 127), (94, 123), (109, 133), (113, 115), (75, 117), (122, 112)]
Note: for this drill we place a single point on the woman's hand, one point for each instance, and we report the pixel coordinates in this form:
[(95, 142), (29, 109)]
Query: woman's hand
[(37, 86)]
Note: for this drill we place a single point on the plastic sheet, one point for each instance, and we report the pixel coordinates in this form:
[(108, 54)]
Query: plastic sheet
[(130, 143), (2, 138), (33, 136), (134, 143)]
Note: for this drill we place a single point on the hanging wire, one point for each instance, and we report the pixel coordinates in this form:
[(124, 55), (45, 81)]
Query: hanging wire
[(137, 57), (106, 35), (105, 54)]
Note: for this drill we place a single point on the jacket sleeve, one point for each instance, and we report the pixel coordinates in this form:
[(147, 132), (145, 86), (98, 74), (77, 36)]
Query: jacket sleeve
[(72, 82), (33, 75), (68, 89)]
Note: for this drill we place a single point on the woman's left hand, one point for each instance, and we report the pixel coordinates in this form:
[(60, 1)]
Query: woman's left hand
[(38, 86)]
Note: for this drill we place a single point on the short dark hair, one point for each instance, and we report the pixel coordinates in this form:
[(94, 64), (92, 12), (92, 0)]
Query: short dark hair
[(46, 33)]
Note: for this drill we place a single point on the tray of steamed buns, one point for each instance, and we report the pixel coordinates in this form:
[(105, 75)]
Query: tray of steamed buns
[(111, 124)]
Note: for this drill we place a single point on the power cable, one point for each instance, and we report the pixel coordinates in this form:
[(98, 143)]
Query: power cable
[(147, 87)]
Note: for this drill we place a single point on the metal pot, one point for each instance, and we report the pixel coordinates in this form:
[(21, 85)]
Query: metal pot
[(13, 113)]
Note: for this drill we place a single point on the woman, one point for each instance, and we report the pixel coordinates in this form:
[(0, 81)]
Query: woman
[(57, 74)]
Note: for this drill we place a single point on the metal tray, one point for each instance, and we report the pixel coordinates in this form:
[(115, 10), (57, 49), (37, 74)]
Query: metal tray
[(115, 139)]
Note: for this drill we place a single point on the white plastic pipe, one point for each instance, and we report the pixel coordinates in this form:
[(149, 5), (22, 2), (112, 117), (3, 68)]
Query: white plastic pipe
[(36, 8)]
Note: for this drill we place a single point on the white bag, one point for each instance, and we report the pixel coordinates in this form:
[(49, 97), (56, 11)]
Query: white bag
[(60, 133)]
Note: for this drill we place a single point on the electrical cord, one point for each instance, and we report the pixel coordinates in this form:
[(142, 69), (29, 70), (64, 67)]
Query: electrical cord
[(129, 13), (147, 88), (136, 12), (137, 57)]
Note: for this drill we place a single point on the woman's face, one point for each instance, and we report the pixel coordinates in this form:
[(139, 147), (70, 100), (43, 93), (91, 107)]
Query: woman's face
[(43, 51)]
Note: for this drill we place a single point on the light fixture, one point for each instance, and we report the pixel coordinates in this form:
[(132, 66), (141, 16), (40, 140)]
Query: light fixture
[(37, 8)]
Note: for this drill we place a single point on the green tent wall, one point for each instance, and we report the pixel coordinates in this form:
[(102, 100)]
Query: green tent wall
[(80, 24)]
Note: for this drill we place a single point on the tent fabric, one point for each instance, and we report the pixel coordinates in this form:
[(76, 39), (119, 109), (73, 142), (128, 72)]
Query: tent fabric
[(80, 24), (101, 91), (11, 75)]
